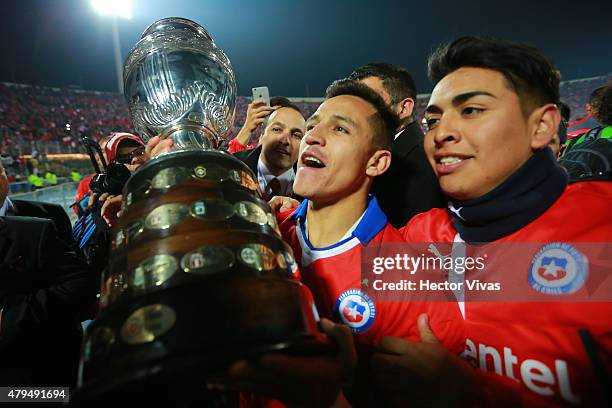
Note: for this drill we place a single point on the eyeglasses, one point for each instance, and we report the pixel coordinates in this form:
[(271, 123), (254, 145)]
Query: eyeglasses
[(127, 158)]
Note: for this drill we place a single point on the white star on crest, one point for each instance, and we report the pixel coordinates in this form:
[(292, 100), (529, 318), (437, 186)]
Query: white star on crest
[(353, 311), (551, 269)]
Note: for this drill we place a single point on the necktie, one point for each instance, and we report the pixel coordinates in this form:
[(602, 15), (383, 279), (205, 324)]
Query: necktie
[(273, 188)]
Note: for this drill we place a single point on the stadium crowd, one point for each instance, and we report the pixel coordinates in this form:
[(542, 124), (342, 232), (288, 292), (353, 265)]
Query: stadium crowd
[(484, 159), (30, 113)]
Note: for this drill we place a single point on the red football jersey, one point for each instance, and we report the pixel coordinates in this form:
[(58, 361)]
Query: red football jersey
[(334, 277), (539, 352)]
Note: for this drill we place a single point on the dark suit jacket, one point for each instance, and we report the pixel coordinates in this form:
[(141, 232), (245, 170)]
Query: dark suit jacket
[(48, 211), (251, 158), (45, 289), (410, 186)]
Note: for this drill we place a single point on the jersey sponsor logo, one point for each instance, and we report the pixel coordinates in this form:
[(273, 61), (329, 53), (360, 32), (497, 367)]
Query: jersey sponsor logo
[(557, 269), (544, 379), (356, 310)]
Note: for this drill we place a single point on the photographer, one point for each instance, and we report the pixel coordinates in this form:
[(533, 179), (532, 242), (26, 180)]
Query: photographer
[(126, 149), (83, 188), (126, 153)]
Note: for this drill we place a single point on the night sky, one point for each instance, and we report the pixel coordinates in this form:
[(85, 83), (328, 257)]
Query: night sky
[(296, 47)]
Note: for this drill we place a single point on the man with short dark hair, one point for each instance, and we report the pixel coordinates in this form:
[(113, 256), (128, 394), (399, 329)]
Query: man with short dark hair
[(410, 186), (491, 117), (346, 146), (274, 160)]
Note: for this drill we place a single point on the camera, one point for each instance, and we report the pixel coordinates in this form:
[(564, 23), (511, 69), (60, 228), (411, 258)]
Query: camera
[(109, 178), (112, 181)]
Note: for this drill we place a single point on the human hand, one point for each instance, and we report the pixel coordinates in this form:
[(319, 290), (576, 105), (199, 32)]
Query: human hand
[(156, 146), (257, 112), (111, 206), (422, 374), (281, 203), (299, 381)]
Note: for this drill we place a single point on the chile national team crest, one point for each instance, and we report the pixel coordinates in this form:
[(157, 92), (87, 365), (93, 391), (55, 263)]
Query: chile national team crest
[(356, 310), (558, 269)]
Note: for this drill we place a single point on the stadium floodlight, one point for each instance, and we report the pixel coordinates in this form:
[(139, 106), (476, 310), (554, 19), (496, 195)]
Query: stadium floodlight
[(117, 8)]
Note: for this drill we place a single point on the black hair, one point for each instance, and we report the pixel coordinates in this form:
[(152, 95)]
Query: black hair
[(396, 80), (596, 92), (602, 105), (527, 71), (383, 123), (284, 103)]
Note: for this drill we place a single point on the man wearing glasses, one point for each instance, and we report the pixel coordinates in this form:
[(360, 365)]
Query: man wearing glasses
[(91, 230), (127, 149)]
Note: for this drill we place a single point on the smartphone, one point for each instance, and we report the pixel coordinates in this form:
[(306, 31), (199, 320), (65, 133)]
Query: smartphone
[(262, 93)]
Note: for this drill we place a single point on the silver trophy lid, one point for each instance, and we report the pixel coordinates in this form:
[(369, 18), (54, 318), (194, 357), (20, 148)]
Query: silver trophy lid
[(172, 23), (179, 84)]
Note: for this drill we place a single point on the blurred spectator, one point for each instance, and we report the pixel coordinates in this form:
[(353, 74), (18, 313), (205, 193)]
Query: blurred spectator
[(589, 156), (581, 125), (576, 93), (75, 176), (51, 178), (35, 181)]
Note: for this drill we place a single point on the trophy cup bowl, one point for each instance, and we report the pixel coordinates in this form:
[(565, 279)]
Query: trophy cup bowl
[(180, 85), (198, 276)]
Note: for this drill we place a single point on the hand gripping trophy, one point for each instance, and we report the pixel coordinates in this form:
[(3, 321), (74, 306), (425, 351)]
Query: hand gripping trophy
[(198, 274)]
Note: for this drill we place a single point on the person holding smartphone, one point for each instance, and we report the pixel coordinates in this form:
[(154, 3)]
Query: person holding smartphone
[(257, 112), (273, 162)]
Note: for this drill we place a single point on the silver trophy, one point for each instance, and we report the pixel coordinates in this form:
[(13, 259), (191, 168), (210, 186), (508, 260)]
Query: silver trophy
[(198, 274), (180, 85)]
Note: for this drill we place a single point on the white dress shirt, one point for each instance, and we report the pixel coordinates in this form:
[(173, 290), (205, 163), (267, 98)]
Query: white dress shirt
[(398, 133), (7, 207), (286, 179)]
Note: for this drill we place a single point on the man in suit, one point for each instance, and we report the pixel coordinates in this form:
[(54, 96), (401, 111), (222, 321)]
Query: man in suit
[(410, 186), (33, 209), (274, 160), (45, 289)]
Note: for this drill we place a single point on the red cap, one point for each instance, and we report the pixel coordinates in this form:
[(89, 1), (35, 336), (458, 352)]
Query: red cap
[(113, 143)]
